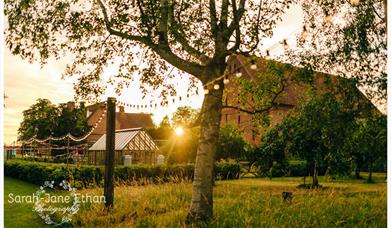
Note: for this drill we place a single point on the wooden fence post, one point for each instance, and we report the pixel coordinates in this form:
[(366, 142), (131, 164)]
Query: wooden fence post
[(110, 147)]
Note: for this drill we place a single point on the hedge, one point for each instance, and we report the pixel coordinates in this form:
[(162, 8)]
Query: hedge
[(92, 176), (49, 159), (293, 168)]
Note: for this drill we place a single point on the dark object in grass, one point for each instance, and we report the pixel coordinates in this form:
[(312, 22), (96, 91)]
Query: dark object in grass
[(287, 196), (310, 186)]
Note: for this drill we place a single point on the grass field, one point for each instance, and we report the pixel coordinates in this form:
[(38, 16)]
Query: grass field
[(19, 215), (237, 203)]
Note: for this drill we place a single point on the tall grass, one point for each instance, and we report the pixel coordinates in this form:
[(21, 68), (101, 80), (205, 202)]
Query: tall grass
[(245, 203)]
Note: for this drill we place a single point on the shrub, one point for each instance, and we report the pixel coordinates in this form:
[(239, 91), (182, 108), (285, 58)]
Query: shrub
[(49, 159), (226, 170), (91, 176)]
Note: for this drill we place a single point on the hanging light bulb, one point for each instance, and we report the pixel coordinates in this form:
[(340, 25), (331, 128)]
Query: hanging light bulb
[(216, 86), (304, 34), (226, 80), (239, 74), (253, 65), (354, 2), (206, 90), (328, 17), (285, 44)]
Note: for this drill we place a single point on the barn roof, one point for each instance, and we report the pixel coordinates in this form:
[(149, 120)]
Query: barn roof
[(124, 120), (124, 137), (291, 94)]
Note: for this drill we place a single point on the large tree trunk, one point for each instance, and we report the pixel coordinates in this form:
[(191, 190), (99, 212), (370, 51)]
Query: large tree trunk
[(202, 198)]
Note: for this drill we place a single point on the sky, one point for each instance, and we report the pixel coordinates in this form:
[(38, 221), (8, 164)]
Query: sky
[(26, 82)]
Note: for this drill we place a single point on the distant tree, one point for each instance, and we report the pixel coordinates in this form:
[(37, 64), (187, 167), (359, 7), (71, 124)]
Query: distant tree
[(182, 149), (368, 143), (163, 131), (315, 133), (271, 155), (45, 119), (179, 149), (231, 143), (72, 121), (184, 116), (165, 123), (40, 120)]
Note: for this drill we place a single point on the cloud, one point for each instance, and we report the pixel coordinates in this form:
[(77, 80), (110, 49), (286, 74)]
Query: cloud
[(24, 83)]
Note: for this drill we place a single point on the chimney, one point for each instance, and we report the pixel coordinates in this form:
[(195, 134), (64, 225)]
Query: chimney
[(121, 108), (70, 106)]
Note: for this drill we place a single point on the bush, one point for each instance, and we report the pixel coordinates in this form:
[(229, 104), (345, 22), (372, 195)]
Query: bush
[(91, 176), (294, 168), (226, 170), (49, 160)]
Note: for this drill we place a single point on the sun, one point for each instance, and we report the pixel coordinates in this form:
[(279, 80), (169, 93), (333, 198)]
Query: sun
[(179, 131)]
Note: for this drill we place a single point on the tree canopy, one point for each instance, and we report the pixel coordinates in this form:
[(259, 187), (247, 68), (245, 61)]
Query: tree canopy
[(195, 37), (39, 120), (44, 119), (184, 116), (348, 39), (231, 144), (189, 35)]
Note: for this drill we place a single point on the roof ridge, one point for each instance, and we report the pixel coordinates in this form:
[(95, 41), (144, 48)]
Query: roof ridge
[(129, 129)]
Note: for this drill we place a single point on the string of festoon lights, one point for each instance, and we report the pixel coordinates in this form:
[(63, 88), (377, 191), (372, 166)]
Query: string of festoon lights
[(152, 104), (252, 63), (69, 135), (215, 83)]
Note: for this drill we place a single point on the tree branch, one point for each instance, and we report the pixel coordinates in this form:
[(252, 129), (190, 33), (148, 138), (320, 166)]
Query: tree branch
[(162, 49), (237, 29), (265, 109), (142, 39), (178, 32), (163, 24), (190, 67), (224, 14), (235, 26), (213, 17), (239, 14)]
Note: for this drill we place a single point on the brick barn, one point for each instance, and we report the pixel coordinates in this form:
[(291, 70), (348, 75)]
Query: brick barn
[(285, 101)]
